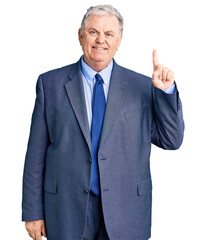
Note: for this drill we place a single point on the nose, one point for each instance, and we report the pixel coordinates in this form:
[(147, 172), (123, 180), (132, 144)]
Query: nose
[(100, 39)]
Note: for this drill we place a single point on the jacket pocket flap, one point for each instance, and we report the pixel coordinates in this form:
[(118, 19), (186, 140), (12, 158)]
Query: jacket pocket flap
[(50, 185), (144, 187)]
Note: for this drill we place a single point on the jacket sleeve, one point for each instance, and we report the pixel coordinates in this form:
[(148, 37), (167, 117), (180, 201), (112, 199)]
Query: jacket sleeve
[(168, 124), (32, 199)]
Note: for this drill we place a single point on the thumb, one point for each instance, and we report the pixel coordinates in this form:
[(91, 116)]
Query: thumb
[(156, 74)]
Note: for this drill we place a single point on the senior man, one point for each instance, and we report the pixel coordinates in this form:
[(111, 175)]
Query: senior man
[(87, 169)]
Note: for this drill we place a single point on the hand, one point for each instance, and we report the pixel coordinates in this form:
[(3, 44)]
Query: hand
[(162, 77), (36, 229)]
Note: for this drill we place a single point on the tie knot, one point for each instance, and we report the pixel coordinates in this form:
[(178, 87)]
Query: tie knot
[(99, 79)]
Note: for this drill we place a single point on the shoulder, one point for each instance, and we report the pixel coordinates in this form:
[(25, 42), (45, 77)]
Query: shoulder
[(132, 76), (58, 72), (57, 77)]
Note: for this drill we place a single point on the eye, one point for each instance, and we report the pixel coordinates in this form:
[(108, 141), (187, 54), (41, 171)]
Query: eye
[(109, 34), (92, 32)]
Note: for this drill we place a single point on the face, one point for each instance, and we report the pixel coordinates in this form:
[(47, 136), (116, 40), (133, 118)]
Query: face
[(100, 40)]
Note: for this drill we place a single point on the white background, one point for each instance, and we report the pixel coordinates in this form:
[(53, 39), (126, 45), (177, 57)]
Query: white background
[(37, 36)]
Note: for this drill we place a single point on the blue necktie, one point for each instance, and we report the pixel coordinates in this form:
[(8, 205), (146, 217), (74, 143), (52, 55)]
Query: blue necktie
[(98, 109)]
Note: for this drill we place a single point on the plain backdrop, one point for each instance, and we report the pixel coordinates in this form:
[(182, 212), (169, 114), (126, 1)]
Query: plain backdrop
[(37, 36)]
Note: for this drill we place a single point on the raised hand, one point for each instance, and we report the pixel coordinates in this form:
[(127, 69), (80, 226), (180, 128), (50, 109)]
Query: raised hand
[(36, 229), (162, 77)]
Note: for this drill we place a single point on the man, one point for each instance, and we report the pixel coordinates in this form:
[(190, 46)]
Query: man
[(87, 170)]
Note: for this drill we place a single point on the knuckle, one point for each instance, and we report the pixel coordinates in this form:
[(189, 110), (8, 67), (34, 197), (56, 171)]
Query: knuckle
[(165, 70), (170, 74), (155, 74)]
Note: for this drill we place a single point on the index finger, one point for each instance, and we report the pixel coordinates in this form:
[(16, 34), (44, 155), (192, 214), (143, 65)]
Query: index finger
[(155, 59)]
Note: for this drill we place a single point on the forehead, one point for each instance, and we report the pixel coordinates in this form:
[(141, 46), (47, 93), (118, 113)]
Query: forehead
[(105, 23)]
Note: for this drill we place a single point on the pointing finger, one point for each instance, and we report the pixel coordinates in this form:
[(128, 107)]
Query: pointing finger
[(155, 59)]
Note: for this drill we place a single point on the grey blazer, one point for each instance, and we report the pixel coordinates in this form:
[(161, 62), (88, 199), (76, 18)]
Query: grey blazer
[(57, 171)]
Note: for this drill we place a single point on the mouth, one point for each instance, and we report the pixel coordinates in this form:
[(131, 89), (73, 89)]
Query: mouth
[(99, 48)]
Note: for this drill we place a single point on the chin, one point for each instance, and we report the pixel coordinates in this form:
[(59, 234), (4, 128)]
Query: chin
[(98, 59)]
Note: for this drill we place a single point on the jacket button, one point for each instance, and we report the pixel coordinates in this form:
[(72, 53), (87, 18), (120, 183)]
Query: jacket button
[(86, 191), (90, 159), (105, 190)]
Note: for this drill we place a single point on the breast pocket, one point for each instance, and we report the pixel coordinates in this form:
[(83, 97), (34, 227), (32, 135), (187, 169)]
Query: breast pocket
[(138, 123)]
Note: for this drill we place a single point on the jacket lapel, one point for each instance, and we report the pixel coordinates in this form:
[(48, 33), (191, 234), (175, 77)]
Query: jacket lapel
[(117, 92), (75, 90)]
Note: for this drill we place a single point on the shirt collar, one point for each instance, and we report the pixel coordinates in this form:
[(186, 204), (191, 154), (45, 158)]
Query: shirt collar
[(90, 73)]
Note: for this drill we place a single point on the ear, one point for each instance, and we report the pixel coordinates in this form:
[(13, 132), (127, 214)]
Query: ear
[(80, 36), (119, 42)]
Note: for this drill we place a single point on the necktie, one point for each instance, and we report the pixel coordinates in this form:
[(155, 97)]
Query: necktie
[(98, 109)]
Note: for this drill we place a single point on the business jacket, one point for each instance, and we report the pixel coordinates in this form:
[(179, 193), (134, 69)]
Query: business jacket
[(57, 169)]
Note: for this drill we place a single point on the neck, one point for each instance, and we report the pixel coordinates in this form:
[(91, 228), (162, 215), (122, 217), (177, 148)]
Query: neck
[(97, 67)]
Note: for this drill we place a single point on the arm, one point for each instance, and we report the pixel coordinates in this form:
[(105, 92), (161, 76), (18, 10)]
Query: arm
[(168, 124), (32, 201)]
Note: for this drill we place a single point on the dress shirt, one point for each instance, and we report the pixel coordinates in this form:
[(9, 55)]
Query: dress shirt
[(170, 90), (88, 77)]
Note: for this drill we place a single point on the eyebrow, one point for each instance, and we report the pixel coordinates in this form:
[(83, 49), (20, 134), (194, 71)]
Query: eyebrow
[(109, 31), (92, 29)]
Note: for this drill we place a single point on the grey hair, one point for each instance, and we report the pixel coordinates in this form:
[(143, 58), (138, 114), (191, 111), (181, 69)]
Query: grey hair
[(103, 10)]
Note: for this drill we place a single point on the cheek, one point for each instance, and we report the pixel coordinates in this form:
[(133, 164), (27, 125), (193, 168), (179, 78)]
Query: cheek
[(113, 48), (85, 46)]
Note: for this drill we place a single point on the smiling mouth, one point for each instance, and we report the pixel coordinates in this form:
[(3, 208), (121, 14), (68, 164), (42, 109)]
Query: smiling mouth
[(100, 49)]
